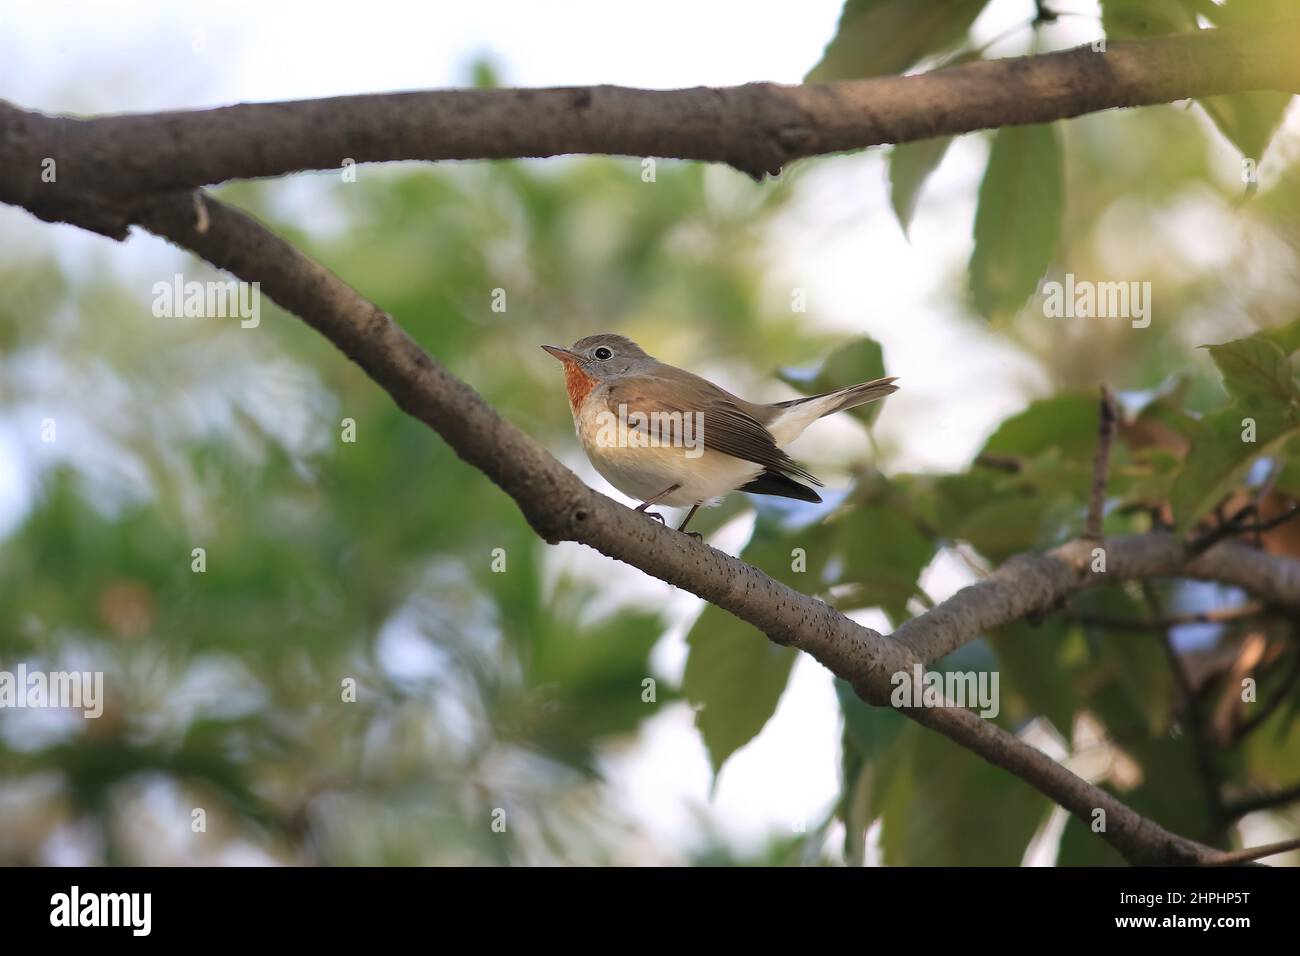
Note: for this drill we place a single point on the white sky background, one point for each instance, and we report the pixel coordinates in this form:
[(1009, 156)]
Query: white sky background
[(839, 241)]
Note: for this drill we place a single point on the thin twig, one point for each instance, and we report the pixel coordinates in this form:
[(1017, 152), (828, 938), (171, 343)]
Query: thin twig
[(1234, 526), (1214, 616), (1202, 746), (1011, 464), (1250, 854), (1101, 465), (1043, 13), (1273, 703), (1236, 809)]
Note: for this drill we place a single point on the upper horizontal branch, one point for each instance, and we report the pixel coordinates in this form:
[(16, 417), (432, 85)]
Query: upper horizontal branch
[(106, 164)]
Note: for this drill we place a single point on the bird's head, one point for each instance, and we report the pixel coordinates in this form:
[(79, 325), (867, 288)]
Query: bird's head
[(598, 358), (603, 355)]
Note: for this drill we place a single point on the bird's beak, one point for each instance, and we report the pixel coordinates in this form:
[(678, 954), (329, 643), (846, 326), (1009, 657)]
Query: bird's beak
[(562, 354)]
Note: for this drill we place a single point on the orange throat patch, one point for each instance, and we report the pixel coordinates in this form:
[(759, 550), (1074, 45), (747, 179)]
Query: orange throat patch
[(578, 382)]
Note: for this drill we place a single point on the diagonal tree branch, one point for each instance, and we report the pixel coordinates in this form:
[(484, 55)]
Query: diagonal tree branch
[(106, 164)]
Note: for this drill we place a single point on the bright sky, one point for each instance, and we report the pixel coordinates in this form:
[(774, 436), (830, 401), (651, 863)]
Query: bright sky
[(840, 242)]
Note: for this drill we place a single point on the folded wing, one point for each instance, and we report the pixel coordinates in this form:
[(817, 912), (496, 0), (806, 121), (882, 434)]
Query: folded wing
[(725, 427)]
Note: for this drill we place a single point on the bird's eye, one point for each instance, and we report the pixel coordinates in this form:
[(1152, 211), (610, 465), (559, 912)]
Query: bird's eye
[(603, 353)]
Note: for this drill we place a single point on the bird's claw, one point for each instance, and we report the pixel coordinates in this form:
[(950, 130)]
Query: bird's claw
[(694, 534), (657, 516)]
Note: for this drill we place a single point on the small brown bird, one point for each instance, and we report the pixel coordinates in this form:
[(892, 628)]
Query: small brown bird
[(664, 436)]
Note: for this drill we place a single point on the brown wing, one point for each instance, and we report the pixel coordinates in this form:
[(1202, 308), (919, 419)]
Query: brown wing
[(726, 427)]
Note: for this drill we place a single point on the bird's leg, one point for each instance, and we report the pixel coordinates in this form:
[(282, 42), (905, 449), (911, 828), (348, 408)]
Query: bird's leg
[(649, 501), (687, 520)]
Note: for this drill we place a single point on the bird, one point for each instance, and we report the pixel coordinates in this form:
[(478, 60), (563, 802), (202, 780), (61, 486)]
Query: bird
[(717, 443)]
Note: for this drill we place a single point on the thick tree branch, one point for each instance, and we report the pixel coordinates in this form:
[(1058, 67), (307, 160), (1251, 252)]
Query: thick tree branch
[(106, 164)]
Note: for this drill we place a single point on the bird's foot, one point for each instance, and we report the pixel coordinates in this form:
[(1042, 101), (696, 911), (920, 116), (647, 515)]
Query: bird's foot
[(657, 516), (694, 534)]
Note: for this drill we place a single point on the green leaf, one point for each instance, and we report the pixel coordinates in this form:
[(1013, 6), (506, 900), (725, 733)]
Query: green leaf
[(910, 164), (880, 37), (884, 555), (1220, 457), (1249, 119), (734, 674), (796, 557), (1271, 752), (1068, 423), (871, 730), (1004, 527), (858, 361), (1256, 372), (1080, 846), (590, 683), (1151, 477), (946, 806), (1171, 788), (1288, 480), (944, 501), (870, 734), (1135, 19), (1050, 473), (734, 679), (1018, 220), (854, 808), (1031, 661), (1126, 671), (1286, 337)]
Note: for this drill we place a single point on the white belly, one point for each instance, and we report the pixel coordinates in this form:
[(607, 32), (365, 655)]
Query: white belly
[(644, 472)]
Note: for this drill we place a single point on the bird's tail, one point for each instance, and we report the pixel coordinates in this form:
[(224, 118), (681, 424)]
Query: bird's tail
[(851, 396)]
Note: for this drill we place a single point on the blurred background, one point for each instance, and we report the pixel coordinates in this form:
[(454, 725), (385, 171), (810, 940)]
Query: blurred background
[(502, 710)]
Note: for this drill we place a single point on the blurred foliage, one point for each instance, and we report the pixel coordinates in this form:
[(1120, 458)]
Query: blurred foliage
[(493, 676), (485, 681)]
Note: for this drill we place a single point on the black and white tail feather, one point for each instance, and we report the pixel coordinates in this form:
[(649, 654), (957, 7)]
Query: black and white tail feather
[(796, 415)]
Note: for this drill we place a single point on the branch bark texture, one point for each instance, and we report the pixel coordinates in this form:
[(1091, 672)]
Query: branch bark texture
[(106, 164)]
